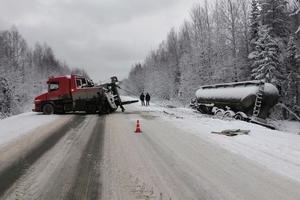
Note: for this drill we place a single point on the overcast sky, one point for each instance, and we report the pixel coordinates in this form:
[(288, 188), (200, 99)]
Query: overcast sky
[(105, 37)]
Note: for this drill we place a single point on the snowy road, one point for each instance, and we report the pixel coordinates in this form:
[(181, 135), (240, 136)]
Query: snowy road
[(63, 167), (94, 157)]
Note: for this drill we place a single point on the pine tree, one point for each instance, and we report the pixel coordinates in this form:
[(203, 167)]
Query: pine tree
[(254, 23), (275, 16), (296, 16), (293, 77), (266, 65), (291, 54)]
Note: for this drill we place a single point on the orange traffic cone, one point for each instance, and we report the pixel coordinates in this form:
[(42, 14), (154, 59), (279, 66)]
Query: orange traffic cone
[(138, 127)]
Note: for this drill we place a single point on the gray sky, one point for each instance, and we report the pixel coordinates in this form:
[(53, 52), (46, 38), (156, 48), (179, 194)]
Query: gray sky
[(105, 37)]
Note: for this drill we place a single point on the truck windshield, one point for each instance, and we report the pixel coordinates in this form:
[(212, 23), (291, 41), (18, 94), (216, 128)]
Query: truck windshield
[(53, 86)]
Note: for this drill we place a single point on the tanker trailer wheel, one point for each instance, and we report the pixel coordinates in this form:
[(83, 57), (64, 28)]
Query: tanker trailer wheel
[(214, 109), (229, 113), (202, 109), (241, 116), (48, 109), (219, 112)]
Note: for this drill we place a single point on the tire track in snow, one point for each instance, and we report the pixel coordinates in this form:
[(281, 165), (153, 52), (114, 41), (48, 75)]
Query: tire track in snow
[(87, 183)]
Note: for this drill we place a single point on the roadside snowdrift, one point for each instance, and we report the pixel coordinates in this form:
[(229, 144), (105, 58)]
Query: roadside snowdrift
[(16, 126)]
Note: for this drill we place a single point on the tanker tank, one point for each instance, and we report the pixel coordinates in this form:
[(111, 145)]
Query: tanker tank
[(241, 100)]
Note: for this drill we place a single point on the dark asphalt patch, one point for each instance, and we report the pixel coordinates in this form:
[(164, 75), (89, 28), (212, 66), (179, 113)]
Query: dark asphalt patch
[(9, 175), (87, 183)]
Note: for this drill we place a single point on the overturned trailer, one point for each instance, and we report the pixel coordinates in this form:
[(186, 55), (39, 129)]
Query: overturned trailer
[(248, 101)]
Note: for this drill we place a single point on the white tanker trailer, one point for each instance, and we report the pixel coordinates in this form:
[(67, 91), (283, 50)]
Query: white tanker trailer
[(248, 101)]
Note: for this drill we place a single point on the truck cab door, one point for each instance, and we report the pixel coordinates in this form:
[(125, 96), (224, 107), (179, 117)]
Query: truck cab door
[(53, 91), (58, 90)]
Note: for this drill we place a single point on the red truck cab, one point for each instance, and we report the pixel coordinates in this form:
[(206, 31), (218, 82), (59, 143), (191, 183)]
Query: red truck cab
[(69, 93)]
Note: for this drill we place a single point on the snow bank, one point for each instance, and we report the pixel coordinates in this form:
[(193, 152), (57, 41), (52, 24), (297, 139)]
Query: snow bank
[(278, 151), (287, 126), (13, 127)]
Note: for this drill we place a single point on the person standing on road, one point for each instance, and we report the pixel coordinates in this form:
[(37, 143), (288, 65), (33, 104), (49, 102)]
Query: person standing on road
[(148, 99), (142, 98)]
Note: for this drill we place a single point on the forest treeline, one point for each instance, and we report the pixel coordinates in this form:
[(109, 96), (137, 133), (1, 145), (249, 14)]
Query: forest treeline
[(226, 41), (24, 71)]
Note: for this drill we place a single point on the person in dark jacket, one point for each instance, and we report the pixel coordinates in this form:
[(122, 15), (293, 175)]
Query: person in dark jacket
[(148, 99), (142, 98)]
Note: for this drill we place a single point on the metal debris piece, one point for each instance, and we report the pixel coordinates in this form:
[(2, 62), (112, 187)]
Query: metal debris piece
[(233, 132)]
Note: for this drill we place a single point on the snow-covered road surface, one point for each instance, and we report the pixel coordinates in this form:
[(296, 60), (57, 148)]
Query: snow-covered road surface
[(64, 167), (169, 162), (96, 157), (279, 151)]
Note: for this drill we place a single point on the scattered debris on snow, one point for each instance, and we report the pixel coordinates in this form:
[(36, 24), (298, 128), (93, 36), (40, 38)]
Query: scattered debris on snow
[(232, 132), (172, 114)]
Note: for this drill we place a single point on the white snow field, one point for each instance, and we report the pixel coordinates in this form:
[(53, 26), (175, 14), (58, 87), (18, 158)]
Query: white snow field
[(276, 150), (14, 127)]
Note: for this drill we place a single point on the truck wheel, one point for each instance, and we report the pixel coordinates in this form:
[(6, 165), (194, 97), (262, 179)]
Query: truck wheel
[(202, 109), (113, 110), (104, 108), (91, 109), (48, 109)]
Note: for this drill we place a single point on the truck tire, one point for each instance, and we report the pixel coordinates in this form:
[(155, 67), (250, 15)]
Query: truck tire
[(48, 109), (202, 109), (104, 108), (91, 109)]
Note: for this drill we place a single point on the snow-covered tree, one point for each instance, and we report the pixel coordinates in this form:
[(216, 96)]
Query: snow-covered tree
[(213, 47), (254, 23), (173, 61), (274, 15), (296, 14), (292, 55), (245, 23), (5, 98), (25, 70), (266, 65), (230, 10), (293, 77), (136, 75)]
